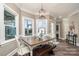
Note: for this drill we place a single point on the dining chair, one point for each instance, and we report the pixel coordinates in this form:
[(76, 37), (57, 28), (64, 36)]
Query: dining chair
[(22, 49)]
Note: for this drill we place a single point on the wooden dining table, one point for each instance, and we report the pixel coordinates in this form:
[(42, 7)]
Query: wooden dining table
[(32, 43)]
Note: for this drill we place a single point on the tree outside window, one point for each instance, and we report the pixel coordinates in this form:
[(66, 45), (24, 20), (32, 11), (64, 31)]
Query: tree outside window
[(28, 27), (10, 28)]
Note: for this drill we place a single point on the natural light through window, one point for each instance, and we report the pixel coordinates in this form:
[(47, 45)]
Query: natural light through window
[(10, 28), (41, 25), (28, 27)]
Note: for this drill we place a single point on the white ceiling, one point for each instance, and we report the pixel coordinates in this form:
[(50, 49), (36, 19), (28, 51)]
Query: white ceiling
[(54, 9)]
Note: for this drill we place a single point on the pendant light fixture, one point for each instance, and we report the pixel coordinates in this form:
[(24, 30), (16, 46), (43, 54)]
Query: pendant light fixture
[(42, 12)]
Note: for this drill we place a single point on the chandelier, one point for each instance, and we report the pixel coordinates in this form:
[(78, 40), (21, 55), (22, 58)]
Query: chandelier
[(42, 13)]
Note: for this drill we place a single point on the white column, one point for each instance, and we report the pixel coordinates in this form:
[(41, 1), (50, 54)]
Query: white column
[(23, 29), (2, 27), (17, 25), (33, 27), (65, 26), (53, 30), (48, 27)]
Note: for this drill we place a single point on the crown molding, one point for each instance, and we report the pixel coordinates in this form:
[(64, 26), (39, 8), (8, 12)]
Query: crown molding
[(22, 9), (73, 13)]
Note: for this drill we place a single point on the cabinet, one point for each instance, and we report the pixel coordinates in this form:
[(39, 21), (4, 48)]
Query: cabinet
[(71, 39)]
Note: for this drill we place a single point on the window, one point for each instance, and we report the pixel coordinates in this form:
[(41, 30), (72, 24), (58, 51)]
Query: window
[(28, 26), (10, 28), (41, 24)]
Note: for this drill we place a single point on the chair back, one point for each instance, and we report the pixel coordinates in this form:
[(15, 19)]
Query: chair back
[(17, 40)]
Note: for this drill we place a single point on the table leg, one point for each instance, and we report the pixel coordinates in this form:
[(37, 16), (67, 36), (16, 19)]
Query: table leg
[(31, 52)]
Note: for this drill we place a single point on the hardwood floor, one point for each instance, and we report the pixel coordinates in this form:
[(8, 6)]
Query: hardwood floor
[(64, 49)]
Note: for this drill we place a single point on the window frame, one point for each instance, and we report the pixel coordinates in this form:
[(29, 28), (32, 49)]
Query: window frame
[(8, 26), (10, 10), (23, 26), (42, 20)]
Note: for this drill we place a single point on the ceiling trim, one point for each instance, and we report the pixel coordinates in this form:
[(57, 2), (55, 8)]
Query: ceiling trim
[(32, 12), (73, 13), (22, 9)]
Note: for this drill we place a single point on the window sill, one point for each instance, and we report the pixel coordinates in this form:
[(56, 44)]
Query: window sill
[(6, 41)]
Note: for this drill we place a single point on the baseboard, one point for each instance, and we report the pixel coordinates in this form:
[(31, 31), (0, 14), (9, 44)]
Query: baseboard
[(13, 52), (62, 38)]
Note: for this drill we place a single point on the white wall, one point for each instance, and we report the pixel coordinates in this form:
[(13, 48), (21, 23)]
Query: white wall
[(2, 28)]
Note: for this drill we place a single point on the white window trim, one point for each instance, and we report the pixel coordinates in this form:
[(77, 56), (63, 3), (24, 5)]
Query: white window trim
[(23, 29), (37, 27), (16, 23)]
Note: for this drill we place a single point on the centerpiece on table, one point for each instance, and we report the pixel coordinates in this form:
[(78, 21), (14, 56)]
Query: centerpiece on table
[(41, 35)]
